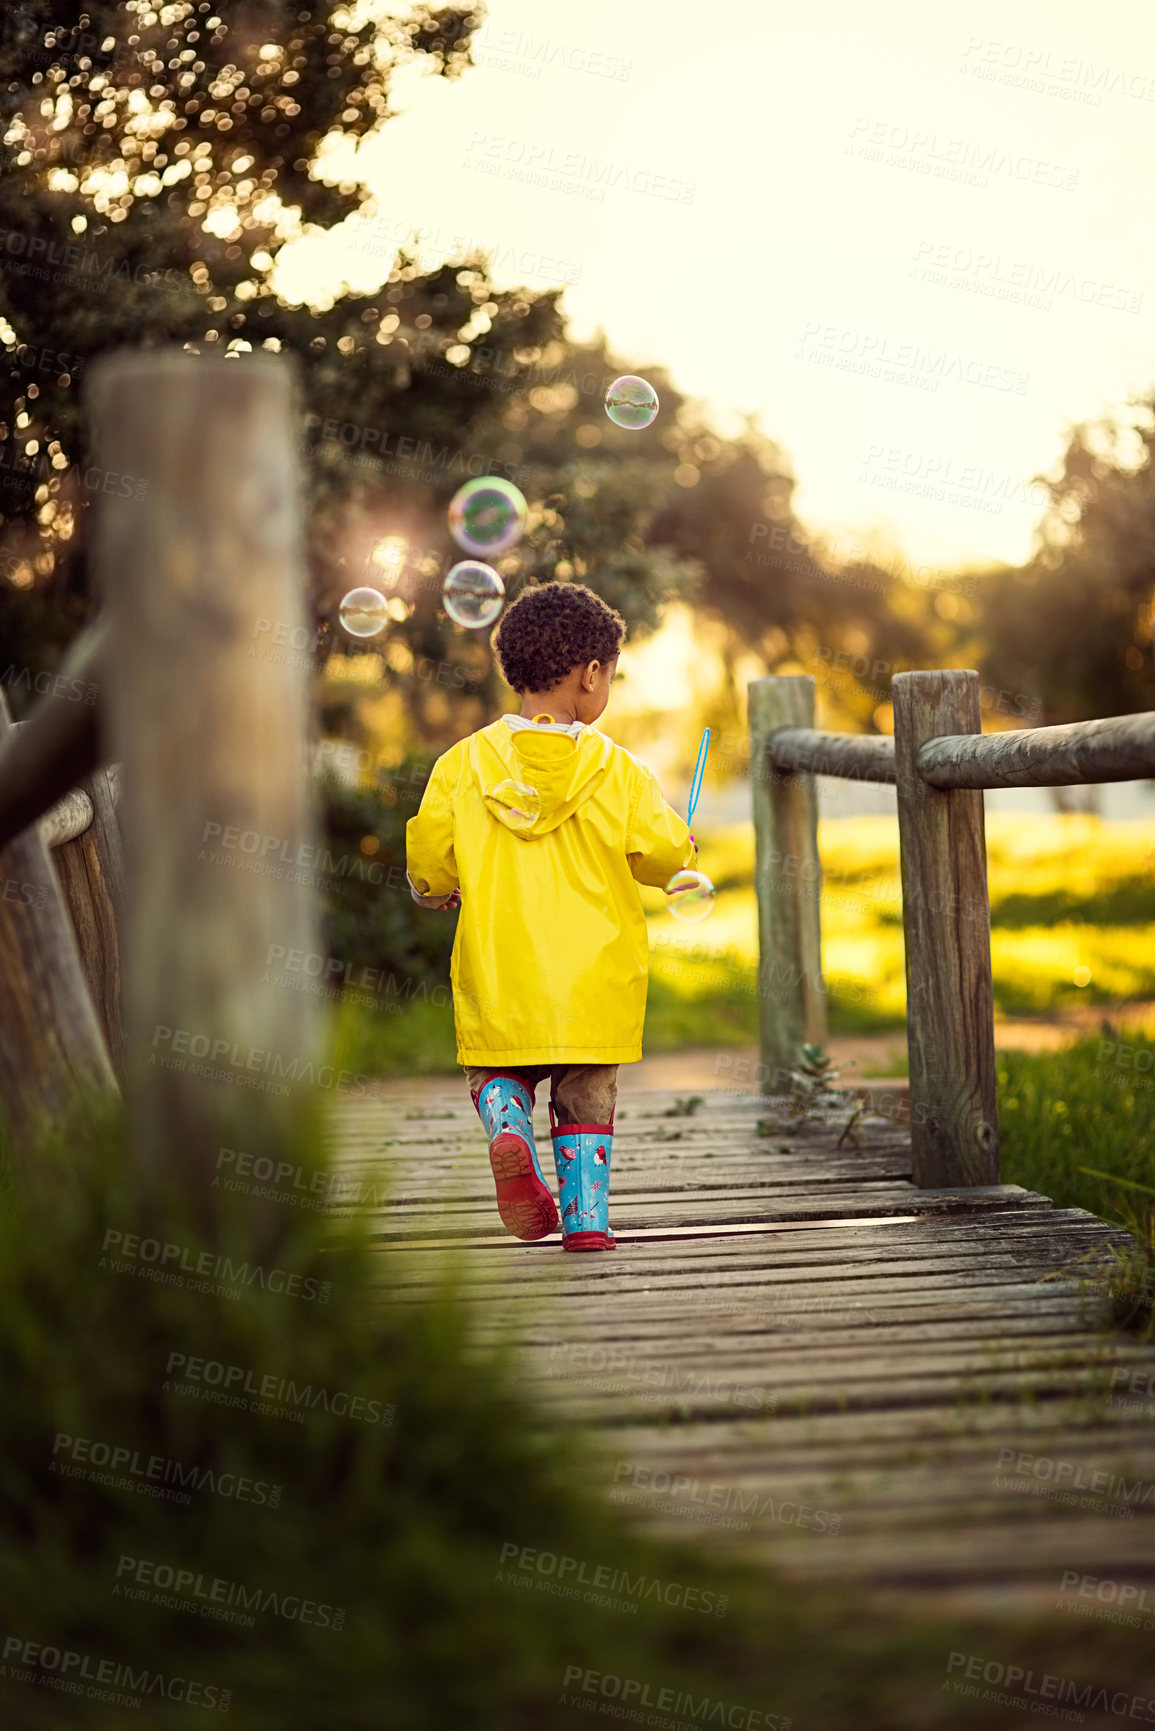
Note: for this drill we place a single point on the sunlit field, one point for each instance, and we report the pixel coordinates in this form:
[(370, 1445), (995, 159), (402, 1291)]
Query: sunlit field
[(1072, 922)]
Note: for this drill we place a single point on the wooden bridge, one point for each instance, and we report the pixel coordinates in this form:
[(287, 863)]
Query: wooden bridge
[(797, 1353), (870, 1360)]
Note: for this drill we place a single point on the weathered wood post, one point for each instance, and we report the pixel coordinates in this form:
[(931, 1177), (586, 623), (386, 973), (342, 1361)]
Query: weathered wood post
[(787, 883), (946, 919), (201, 560), (51, 1046), (91, 870)]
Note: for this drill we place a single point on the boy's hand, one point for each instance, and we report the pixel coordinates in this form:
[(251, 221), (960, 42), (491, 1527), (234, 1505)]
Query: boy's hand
[(435, 903)]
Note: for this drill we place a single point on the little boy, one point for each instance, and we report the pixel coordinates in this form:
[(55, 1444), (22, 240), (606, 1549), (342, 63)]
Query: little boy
[(541, 828)]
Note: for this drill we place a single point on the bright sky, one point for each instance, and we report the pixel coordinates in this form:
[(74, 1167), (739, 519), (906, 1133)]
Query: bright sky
[(785, 204)]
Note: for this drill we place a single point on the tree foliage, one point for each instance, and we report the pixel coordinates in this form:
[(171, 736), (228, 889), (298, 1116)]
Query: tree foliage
[(1073, 626)]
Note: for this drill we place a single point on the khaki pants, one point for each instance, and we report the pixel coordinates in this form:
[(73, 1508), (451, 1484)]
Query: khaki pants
[(580, 1093)]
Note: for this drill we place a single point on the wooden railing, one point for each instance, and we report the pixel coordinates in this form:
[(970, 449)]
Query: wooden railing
[(205, 550), (938, 761)]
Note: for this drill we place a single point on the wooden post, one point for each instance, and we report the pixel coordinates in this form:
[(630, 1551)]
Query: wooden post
[(946, 919), (51, 1047), (203, 569), (91, 871), (787, 883)]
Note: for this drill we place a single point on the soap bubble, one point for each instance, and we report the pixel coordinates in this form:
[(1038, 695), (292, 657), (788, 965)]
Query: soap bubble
[(520, 804), (487, 516), (631, 402), (364, 612), (473, 594), (691, 896)]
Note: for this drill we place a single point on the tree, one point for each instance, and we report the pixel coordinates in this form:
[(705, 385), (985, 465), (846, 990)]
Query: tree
[(1073, 625), (153, 165), (771, 588)]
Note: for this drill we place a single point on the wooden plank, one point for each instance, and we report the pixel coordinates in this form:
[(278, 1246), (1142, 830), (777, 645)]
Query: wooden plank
[(946, 921), (1112, 748), (787, 878), (213, 739)]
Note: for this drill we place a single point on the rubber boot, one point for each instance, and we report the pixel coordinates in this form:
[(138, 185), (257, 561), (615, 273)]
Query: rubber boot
[(581, 1154), (505, 1107)]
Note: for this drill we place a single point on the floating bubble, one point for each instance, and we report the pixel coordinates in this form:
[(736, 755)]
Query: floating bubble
[(631, 402), (520, 804), (691, 896), (473, 594), (487, 516), (363, 612)]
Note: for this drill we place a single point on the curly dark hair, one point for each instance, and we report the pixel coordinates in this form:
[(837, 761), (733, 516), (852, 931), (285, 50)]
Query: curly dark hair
[(552, 628)]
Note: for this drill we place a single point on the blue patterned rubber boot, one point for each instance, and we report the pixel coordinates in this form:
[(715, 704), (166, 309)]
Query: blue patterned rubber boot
[(581, 1154), (505, 1107)]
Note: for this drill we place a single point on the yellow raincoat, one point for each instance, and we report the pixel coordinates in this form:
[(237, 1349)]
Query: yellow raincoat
[(547, 837)]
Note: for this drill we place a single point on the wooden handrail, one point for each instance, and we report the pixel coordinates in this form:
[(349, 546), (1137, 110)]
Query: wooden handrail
[(69, 818), (939, 760), (1116, 748), (57, 747), (853, 756)]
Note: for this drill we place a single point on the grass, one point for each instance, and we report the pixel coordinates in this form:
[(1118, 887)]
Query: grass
[(1079, 1126)]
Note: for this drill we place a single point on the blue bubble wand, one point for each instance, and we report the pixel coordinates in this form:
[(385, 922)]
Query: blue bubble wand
[(696, 784)]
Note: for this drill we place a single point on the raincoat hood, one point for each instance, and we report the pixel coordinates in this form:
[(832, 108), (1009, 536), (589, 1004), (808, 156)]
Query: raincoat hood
[(533, 781)]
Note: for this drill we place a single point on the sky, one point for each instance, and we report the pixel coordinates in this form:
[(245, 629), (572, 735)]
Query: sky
[(913, 244)]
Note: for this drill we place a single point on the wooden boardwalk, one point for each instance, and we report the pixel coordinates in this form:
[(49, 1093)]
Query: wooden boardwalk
[(796, 1354)]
